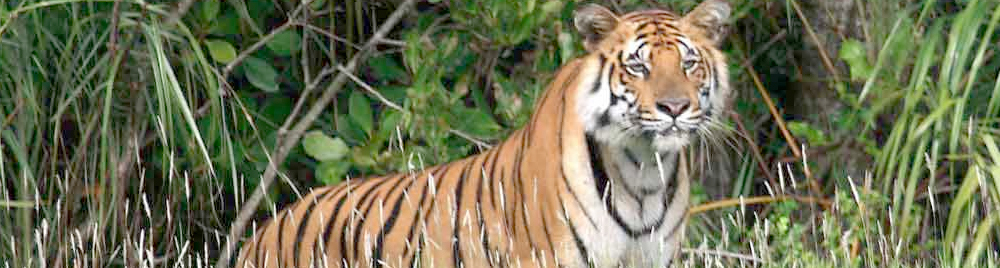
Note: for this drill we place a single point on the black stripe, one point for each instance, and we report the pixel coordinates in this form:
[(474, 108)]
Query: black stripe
[(637, 49), (305, 222), (456, 245), (257, 245), (483, 228), (548, 236), (520, 183), (416, 221), (597, 168), (639, 27), (524, 219), (417, 250), (629, 189), (603, 121), (611, 73), (631, 157), (347, 217), (576, 236), (514, 182), (576, 197), (344, 188), (677, 224), (496, 155), (597, 83), (390, 222), (601, 179), (281, 232), (368, 208), (333, 219)]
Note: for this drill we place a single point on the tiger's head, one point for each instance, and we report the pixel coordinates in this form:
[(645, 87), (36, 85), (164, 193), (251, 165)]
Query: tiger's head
[(659, 79)]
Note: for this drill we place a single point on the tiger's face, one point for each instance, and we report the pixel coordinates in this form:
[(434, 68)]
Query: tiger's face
[(660, 80)]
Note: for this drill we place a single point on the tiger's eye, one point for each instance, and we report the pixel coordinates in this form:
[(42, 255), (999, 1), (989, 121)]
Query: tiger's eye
[(687, 64), (636, 68)]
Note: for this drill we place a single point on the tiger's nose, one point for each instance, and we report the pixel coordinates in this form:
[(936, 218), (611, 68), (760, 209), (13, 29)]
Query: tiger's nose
[(673, 106)]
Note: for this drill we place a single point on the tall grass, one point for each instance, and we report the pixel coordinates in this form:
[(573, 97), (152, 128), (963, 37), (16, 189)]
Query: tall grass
[(931, 196), (103, 161)]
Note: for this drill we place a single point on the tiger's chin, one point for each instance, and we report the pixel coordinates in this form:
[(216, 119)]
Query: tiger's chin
[(671, 141), (651, 141)]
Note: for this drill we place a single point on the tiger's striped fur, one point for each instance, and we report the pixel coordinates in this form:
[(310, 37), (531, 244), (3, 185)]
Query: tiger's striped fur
[(597, 178)]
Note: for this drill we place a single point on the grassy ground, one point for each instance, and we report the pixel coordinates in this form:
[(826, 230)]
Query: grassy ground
[(133, 132)]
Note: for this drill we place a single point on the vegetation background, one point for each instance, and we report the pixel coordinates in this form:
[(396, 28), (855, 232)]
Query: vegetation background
[(135, 133)]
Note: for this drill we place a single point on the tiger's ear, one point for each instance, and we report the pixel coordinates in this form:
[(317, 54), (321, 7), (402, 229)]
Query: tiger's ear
[(594, 22), (710, 19)]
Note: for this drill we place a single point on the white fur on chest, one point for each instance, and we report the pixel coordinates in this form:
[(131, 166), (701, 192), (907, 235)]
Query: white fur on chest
[(610, 245)]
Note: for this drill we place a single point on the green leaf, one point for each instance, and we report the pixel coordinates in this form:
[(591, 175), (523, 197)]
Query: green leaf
[(349, 130), (331, 172), (386, 69), (261, 74), (814, 136), (853, 52), (322, 147), (360, 111), (551, 7), (317, 4), (395, 94), (221, 51), (475, 122), (208, 9), (387, 125), (228, 23), (567, 46), (275, 109), (285, 43)]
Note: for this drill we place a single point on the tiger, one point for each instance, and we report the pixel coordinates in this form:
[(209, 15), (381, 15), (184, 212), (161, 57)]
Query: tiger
[(598, 176)]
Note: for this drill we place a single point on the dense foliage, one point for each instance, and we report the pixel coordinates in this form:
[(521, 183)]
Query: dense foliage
[(132, 132)]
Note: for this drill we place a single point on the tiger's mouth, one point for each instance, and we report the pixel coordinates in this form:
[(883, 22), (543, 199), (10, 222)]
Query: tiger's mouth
[(667, 135), (668, 127)]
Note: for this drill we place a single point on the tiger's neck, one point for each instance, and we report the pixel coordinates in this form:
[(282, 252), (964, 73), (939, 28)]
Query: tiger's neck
[(636, 184)]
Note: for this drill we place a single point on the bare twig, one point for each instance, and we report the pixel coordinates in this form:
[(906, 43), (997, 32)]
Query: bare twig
[(287, 142), (826, 203), (327, 71), (753, 148), (328, 34), (819, 45), (393, 42), (370, 90), (764, 48), (253, 48), (792, 144), (470, 138), (721, 253)]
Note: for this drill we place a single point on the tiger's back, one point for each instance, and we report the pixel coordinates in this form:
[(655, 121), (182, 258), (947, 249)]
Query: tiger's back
[(597, 178)]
